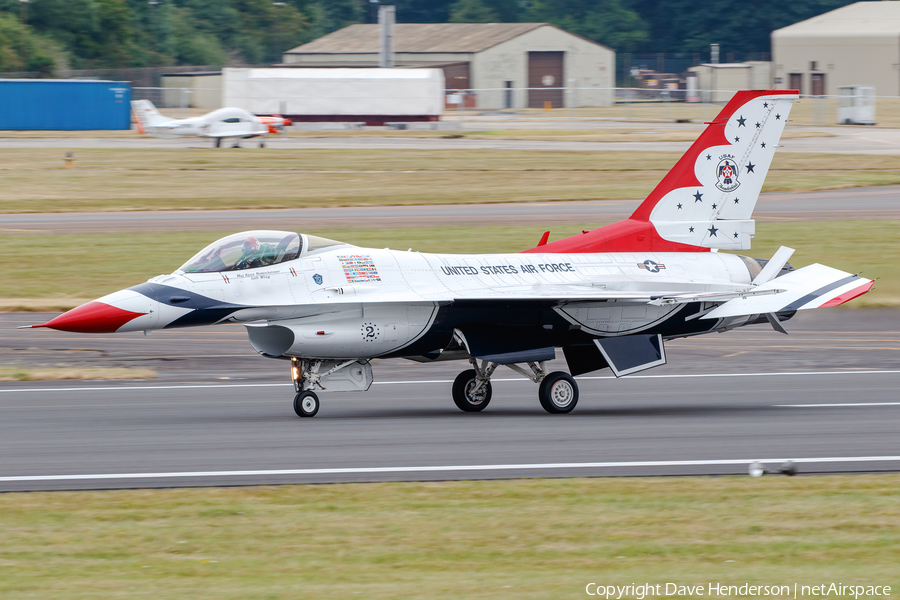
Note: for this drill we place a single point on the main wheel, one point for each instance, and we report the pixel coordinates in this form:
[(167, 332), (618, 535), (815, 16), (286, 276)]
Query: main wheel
[(558, 393), (462, 392), (306, 404)]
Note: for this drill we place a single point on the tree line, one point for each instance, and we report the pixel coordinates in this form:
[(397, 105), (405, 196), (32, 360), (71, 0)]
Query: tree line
[(47, 35)]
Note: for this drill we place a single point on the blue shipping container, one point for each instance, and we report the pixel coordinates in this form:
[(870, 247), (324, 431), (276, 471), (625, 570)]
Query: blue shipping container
[(64, 104)]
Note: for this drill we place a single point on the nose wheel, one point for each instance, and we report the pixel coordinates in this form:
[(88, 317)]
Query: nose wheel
[(306, 404)]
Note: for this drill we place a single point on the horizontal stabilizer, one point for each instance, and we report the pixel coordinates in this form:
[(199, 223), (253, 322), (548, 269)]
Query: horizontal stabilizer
[(814, 286)]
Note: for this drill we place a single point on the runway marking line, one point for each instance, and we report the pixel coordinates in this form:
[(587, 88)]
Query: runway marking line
[(432, 381), (445, 468), (837, 404)]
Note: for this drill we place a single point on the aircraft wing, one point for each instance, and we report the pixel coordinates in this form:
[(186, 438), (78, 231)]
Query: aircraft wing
[(577, 293)]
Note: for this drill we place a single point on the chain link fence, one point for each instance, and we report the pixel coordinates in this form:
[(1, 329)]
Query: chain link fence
[(626, 104)]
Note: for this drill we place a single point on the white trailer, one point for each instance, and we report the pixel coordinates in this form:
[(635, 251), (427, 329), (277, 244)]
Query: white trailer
[(371, 95)]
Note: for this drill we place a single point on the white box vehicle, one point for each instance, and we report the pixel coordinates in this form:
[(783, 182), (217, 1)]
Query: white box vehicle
[(857, 105), (337, 94)]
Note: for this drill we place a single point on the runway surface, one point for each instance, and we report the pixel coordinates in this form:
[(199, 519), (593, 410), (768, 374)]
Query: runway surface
[(831, 205), (825, 396)]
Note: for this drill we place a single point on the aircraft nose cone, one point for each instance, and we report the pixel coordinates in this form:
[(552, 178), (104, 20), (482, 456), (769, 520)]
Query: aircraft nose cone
[(93, 317)]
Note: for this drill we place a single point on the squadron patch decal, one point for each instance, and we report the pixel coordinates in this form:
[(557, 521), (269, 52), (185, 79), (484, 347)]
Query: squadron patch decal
[(727, 174), (318, 279)]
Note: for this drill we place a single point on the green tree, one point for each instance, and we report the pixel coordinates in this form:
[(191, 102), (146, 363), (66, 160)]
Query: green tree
[(610, 22), (687, 26), (471, 11), (22, 49)]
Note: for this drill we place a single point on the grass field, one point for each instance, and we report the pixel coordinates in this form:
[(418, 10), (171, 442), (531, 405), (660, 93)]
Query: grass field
[(84, 267), (35, 181), (28, 373), (528, 539)]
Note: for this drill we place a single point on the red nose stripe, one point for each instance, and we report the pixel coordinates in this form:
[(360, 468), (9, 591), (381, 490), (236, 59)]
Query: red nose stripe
[(93, 317)]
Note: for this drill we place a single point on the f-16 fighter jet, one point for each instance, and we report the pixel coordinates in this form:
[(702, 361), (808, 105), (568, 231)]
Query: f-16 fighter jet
[(235, 123), (609, 298)]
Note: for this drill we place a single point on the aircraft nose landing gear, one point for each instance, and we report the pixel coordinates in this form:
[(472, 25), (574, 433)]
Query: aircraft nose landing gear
[(306, 404)]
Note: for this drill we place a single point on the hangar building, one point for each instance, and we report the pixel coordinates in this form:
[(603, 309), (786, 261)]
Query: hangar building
[(858, 44), (498, 60)]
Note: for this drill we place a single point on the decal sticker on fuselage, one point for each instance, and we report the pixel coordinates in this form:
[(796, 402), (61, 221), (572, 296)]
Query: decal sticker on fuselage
[(370, 332), (509, 269), (318, 279), (651, 266), (359, 268)]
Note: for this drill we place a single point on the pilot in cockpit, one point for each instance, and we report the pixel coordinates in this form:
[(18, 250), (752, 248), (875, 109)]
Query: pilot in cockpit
[(254, 254)]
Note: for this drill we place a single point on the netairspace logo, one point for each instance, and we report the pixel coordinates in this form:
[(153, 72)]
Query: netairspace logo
[(824, 590)]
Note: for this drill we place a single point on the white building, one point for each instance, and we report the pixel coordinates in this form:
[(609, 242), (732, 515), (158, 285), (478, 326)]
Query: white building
[(731, 77), (508, 65), (858, 44)]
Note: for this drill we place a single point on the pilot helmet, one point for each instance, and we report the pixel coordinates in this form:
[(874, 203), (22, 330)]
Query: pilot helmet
[(251, 244)]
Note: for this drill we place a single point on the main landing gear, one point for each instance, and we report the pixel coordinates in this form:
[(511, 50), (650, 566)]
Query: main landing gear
[(558, 392)]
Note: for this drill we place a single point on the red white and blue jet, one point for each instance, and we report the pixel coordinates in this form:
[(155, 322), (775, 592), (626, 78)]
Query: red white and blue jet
[(609, 298)]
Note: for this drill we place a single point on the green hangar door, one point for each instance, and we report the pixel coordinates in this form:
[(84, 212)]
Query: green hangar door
[(545, 79)]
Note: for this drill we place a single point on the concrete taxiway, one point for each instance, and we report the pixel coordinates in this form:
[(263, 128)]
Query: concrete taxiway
[(830, 205), (825, 396)]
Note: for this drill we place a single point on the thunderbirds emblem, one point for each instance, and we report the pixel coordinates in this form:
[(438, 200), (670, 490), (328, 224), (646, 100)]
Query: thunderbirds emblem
[(318, 279), (727, 175)]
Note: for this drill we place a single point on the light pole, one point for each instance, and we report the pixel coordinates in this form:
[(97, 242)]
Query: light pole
[(25, 34)]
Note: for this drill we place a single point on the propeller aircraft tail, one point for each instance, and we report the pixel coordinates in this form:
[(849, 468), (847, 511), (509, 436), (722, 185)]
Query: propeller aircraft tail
[(146, 116), (706, 200)]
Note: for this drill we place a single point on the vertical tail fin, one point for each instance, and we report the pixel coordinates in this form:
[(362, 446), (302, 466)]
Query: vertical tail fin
[(706, 200), (146, 116)]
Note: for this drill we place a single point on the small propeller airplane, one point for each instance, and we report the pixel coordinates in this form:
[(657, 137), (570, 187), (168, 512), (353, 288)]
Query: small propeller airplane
[(609, 298), (235, 123)]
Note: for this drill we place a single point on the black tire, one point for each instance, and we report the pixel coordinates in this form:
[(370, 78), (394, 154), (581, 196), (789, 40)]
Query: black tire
[(464, 382), (558, 393), (306, 404)]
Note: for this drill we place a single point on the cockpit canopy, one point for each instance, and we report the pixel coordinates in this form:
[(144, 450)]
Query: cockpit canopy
[(254, 249)]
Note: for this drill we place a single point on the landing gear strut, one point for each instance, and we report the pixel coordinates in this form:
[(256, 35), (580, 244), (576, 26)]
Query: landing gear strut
[(558, 392)]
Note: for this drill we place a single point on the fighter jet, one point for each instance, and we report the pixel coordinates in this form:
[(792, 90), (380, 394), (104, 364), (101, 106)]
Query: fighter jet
[(235, 123), (608, 298)]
